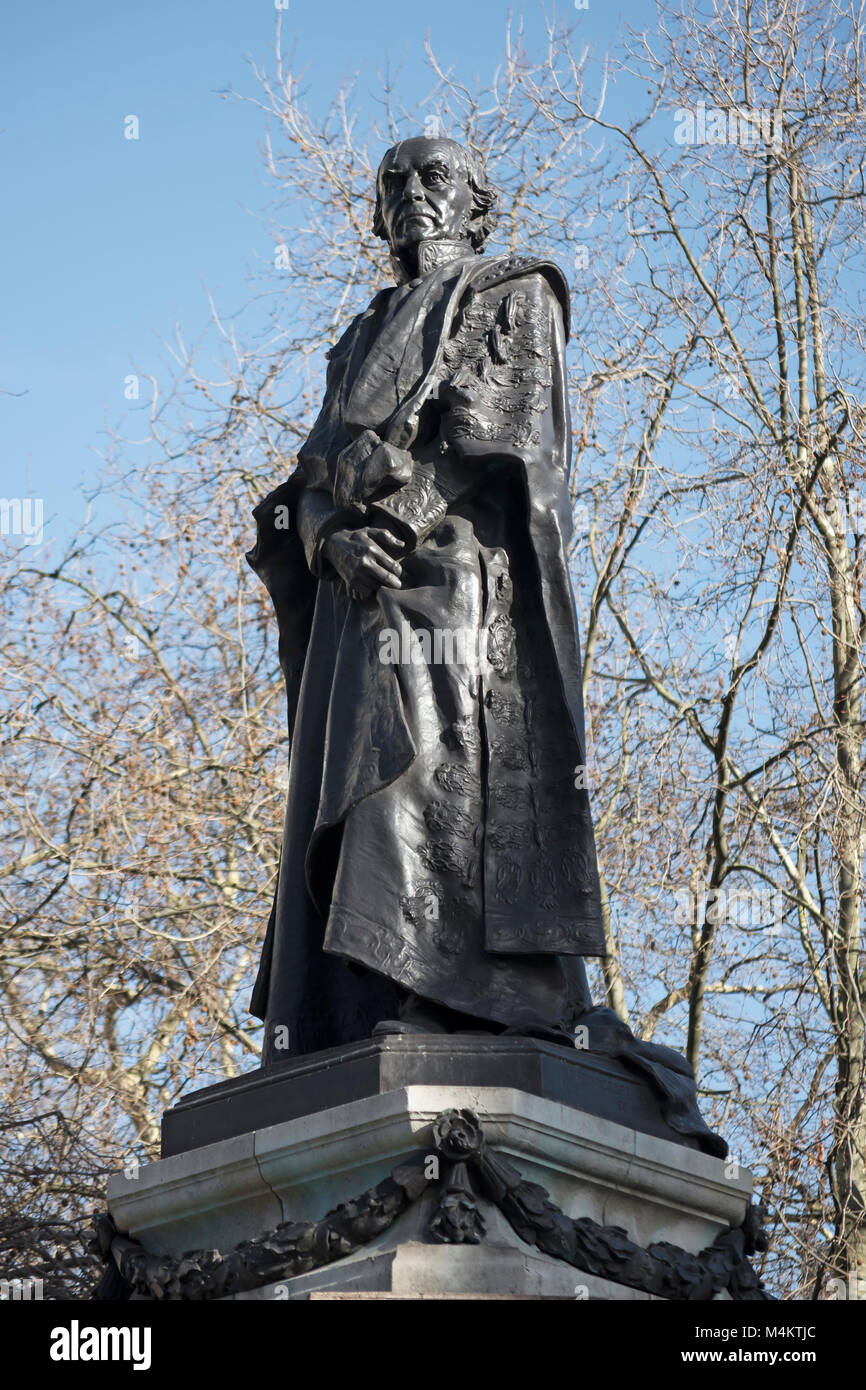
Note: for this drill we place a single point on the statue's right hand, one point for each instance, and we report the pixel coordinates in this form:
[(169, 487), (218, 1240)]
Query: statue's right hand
[(362, 560)]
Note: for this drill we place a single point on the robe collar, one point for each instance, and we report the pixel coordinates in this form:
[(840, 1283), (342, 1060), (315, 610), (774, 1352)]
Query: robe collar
[(432, 255)]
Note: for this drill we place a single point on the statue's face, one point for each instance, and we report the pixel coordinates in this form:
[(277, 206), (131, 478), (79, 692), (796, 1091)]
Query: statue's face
[(424, 194)]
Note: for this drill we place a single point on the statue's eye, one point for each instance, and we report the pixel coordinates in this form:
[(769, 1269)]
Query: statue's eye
[(435, 176)]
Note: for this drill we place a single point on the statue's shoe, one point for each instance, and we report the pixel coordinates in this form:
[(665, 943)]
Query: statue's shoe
[(390, 1026), (427, 1024), (418, 1015)]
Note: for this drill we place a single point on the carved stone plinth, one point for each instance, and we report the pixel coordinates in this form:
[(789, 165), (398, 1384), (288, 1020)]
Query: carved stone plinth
[(220, 1194)]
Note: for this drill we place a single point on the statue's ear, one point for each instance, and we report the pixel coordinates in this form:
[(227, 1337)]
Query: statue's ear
[(477, 229), (480, 223), (378, 221)]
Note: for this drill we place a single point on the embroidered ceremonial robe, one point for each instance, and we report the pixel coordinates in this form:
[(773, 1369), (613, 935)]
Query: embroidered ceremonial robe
[(438, 833)]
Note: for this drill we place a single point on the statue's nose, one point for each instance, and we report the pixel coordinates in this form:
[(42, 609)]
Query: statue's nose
[(413, 189)]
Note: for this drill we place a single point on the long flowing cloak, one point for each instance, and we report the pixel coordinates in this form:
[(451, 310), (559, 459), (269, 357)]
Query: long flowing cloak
[(437, 834)]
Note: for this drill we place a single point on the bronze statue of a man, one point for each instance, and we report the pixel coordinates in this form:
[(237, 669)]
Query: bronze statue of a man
[(438, 869)]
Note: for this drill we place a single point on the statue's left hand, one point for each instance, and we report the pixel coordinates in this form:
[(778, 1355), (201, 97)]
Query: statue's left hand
[(364, 558)]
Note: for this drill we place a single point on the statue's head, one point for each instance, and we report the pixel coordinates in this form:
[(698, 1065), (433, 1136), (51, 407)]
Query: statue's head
[(432, 190)]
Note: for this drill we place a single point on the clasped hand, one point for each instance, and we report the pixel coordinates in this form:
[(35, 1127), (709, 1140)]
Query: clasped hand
[(364, 558)]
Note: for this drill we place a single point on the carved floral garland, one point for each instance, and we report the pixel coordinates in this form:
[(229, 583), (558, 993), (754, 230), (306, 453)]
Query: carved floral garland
[(298, 1247)]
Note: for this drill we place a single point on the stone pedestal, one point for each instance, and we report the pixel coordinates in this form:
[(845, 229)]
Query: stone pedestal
[(220, 1193), (584, 1080)]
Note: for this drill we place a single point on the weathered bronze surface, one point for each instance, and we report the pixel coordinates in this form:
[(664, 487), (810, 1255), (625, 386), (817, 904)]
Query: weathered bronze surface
[(438, 869), (436, 842)]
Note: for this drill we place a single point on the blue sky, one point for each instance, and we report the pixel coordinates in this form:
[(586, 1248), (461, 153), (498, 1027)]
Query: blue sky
[(109, 241)]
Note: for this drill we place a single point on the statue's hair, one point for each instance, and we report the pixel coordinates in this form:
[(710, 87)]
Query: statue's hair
[(484, 194)]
